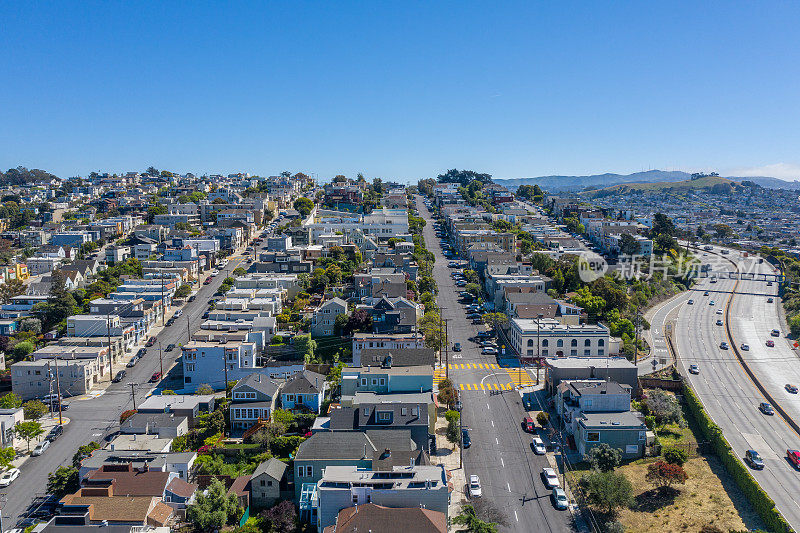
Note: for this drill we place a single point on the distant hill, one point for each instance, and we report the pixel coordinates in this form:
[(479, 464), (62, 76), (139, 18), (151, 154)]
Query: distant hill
[(599, 181), (710, 183)]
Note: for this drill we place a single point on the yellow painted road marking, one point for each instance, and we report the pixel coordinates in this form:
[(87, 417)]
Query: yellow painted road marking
[(461, 386)]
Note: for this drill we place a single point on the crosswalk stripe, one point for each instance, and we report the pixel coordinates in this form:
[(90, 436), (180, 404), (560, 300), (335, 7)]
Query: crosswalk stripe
[(461, 386), (482, 386)]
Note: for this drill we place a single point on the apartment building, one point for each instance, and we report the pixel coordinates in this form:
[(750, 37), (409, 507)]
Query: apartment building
[(464, 239), (394, 341), (545, 338)]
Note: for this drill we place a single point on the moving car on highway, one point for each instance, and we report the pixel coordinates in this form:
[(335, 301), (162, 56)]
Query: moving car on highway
[(694, 369), (723, 345), (766, 408), (791, 388), (752, 458), (794, 457)]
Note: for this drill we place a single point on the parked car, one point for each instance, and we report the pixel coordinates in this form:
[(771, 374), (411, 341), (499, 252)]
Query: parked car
[(155, 377), (457, 347), (151, 341), (528, 424), (193, 297), (207, 281), (706, 293), (488, 350), (40, 448), (790, 388), (132, 362), (559, 498), (9, 476), (475, 486), (466, 442), (694, 369), (55, 432), (745, 347), (141, 353), (178, 313), (550, 478), (712, 302), (538, 446), (477, 321), (119, 377), (171, 321), (752, 458), (794, 458), (170, 347), (766, 408), (473, 315), (771, 343)]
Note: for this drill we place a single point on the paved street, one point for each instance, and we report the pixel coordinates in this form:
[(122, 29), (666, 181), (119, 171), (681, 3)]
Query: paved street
[(92, 418), (725, 389), (500, 453)]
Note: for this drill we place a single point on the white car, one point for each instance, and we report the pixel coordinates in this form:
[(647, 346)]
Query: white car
[(719, 311), (9, 476), (40, 448), (475, 486), (550, 478), (538, 446)]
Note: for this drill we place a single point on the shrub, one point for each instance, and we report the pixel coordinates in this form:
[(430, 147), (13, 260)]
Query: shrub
[(675, 456), (605, 458), (543, 418), (126, 415), (285, 446), (662, 474)]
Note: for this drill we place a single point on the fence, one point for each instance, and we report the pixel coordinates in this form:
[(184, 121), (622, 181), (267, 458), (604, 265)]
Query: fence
[(674, 385)]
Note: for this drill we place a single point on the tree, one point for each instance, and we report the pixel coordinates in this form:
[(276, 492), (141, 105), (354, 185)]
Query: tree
[(471, 276), (605, 458), (304, 206), (469, 518), (10, 401), (63, 481), (628, 245), (723, 231), (543, 418), (453, 432), (204, 389), (608, 490), (464, 177), (34, 409), (281, 517), (183, 291), (214, 508), (495, 320), (28, 431), (447, 393), (239, 271), (664, 407), (663, 475), (7, 455), (11, 288), (22, 349), (306, 346), (473, 288), (431, 327), (359, 321), (593, 305)]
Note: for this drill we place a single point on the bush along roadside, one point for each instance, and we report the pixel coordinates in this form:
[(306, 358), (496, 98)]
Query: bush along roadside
[(759, 499)]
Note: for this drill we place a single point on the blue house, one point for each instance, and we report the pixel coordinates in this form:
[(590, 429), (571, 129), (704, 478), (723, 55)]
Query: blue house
[(305, 391), (8, 327)]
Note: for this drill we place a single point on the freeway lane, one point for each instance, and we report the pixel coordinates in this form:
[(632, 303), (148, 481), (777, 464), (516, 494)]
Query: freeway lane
[(91, 419), (725, 389), (500, 453)]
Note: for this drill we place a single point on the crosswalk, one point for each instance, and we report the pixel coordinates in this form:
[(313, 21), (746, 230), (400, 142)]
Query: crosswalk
[(473, 366), (438, 375), (521, 379), (486, 386)]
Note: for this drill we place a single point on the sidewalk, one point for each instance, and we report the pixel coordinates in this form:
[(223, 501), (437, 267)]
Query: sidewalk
[(47, 422), (448, 456)]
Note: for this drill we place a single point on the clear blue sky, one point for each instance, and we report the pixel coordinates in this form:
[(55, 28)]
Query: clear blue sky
[(400, 90)]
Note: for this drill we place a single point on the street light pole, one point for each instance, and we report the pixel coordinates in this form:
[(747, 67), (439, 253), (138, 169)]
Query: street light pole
[(538, 349), (160, 359)]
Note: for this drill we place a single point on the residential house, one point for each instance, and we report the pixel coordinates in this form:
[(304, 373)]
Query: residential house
[(380, 519), (532, 338), (252, 399), (304, 391), (324, 318), (395, 341), (266, 483)]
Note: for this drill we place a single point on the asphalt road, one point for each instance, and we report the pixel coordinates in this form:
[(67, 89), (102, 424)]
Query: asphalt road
[(727, 392), (500, 454), (93, 418)]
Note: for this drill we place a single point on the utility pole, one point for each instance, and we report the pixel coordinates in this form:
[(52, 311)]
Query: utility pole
[(133, 394), (446, 357), (58, 393), (636, 337), (225, 366), (188, 330), (538, 349), (163, 302), (110, 356)]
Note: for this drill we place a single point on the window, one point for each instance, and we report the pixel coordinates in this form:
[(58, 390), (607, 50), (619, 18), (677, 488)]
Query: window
[(374, 381), (587, 352), (384, 416), (290, 397), (530, 342), (587, 342), (404, 411), (530, 352), (544, 353), (574, 342), (587, 402), (560, 343), (593, 436), (601, 351), (263, 482), (601, 342), (363, 382), (301, 471), (382, 381), (573, 352), (545, 342), (269, 483)]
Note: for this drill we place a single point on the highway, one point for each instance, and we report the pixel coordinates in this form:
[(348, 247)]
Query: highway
[(500, 454), (92, 418), (729, 395)]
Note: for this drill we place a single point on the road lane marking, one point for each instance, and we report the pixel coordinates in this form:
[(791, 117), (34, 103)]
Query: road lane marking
[(497, 441), (508, 485), (492, 421), (487, 406), (515, 513), (461, 386), (502, 462)]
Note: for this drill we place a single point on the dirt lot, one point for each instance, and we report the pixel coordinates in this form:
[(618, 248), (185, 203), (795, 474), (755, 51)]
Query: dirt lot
[(709, 497)]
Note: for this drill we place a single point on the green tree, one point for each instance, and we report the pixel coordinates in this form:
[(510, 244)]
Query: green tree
[(7, 455), (453, 432), (628, 245), (473, 288), (495, 320), (22, 349), (447, 393), (183, 291), (63, 481), (10, 401), (204, 389), (28, 431), (605, 458), (214, 508), (665, 408), (593, 305), (34, 409), (10, 289), (471, 276), (83, 452), (239, 271), (468, 517), (675, 456), (306, 346), (608, 490), (304, 206)]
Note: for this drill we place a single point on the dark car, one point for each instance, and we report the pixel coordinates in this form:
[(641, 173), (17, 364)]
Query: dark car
[(755, 461), (170, 321), (55, 433), (465, 440), (457, 347), (142, 352), (151, 341), (205, 315), (155, 377), (193, 297), (170, 347), (119, 377)]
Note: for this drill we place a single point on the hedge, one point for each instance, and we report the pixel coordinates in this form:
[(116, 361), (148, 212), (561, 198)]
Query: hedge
[(759, 499)]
